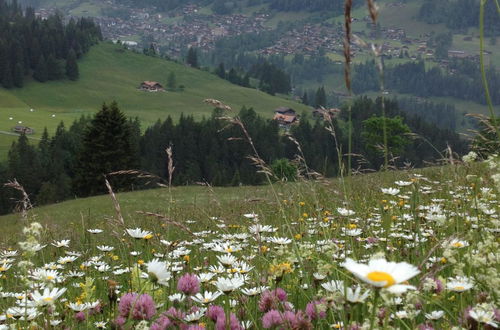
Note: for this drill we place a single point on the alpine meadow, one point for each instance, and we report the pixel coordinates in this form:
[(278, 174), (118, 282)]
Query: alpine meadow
[(249, 164)]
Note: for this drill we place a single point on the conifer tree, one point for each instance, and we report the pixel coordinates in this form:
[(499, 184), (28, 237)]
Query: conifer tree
[(192, 58), (41, 74), (320, 97), (106, 147), (18, 78), (7, 80), (172, 81), (71, 66), (221, 71)]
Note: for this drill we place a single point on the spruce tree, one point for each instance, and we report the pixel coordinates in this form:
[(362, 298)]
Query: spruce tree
[(192, 58), (8, 81), (320, 97), (41, 73), (72, 66), (221, 71), (18, 75), (172, 81), (54, 68), (106, 147)]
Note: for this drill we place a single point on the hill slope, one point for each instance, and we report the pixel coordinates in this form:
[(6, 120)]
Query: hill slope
[(199, 202), (109, 73)]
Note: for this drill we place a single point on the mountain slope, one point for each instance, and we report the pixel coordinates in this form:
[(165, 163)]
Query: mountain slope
[(108, 73)]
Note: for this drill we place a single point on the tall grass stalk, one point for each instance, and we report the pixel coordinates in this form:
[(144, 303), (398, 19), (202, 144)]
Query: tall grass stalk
[(481, 61)]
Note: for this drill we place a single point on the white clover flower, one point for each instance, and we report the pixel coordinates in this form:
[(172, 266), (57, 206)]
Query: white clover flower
[(470, 157), (434, 315)]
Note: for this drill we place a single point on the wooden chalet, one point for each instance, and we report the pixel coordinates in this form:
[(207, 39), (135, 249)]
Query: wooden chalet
[(286, 117), (322, 113), (151, 86)]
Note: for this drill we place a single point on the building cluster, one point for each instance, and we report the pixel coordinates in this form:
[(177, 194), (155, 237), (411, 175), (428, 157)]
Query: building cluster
[(308, 39)]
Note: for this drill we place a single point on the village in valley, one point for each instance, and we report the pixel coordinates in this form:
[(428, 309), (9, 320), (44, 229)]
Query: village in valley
[(194, 26)]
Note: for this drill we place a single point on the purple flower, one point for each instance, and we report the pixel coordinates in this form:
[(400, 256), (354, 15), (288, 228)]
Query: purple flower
[(313, 311), (144, 308), (125, 304), (188, 284), (271, 319), (425, 326), (271, 299), (80, 316), (215, 312), (162, 323)]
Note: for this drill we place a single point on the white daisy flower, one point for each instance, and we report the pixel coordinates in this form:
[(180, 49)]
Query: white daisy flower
[(228, 285), (195, 316), (459, 284), (383, 274), (47, 297), (138, 233), (158, 272), (390, 191), (434, 315), (95, 231), (61, 243), (345, 212), (207, 297)]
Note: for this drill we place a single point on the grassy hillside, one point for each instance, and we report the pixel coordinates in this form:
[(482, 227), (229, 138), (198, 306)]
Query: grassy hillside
[(199, 202), (109, 73)]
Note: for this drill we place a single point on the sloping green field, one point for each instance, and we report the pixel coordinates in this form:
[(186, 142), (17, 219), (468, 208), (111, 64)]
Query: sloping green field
[(110, 73)]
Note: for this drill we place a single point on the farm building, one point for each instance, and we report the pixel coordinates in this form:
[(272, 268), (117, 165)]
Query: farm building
[(285, 117), (151, 86), (23, 129)]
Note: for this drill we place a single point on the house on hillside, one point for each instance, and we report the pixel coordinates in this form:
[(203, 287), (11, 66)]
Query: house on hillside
[(286, 117), (151, 86), (322, 113), (23, 129)]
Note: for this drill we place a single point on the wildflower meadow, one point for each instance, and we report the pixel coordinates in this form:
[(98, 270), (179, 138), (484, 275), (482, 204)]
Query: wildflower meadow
[(401, 250)]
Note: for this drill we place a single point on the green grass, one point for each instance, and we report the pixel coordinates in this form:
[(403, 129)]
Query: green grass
[(441, 224), (203, 202), (110, 73)]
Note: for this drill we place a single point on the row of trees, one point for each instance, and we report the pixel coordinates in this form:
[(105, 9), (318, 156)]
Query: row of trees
[(463, 82), (45, 49), (74, 161), (460, 14)]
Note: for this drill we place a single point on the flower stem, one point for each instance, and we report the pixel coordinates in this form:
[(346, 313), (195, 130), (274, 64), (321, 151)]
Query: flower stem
[(374, 308)]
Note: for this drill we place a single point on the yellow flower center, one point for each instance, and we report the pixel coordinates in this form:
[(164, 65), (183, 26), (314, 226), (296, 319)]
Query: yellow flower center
[(50, 278), (48, 299), (229, 250), (377, 276), (3, 269), (206, 300), (148, 236), (459, 288), (458, 245)]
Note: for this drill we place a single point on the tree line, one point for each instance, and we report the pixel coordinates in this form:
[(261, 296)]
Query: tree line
[(462, 80), (74, 160), (460, 14), (45, 49)]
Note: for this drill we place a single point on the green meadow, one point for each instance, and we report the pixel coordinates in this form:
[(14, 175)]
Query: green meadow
[(107, 73)]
